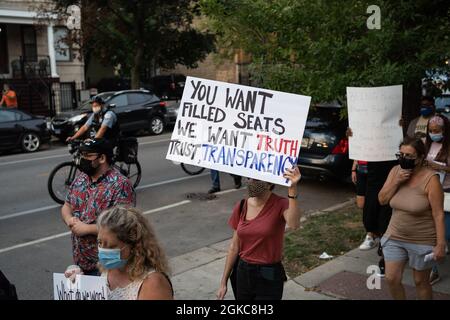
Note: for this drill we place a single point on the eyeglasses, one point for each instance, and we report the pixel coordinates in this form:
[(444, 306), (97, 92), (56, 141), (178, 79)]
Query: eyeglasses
[(405, 155)]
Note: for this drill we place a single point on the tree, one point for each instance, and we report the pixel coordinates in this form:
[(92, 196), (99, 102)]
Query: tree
[(320, 47), (138, 35)]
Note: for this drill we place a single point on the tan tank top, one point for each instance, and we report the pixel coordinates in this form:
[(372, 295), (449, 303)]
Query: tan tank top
[(412, 219)]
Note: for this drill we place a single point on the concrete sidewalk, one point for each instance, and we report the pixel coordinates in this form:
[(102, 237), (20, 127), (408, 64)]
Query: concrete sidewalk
[(196, 276)]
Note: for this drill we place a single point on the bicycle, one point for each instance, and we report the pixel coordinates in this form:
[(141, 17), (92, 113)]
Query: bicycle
[(191, 169), (64, 174)]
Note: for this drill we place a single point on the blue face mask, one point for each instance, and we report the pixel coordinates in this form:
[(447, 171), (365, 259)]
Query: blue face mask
[(436, 137), (110, 258), (426, 110)]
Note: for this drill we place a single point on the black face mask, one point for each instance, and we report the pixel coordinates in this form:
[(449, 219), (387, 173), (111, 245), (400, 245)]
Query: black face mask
[(406, 163), (87, 167)]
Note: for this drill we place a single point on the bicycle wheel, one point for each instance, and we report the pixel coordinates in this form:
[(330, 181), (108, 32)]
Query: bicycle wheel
[(60, 180), (191, 169), (131, 170)]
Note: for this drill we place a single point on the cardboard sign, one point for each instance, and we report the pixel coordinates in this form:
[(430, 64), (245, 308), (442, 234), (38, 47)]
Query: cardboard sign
[(84, 288), (373, 116), (243, 130)]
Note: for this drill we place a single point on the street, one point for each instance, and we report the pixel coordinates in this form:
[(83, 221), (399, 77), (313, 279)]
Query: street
[(34, 242)]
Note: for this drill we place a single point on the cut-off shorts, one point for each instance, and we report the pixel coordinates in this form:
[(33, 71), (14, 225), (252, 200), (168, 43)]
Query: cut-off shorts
[(394, 250)]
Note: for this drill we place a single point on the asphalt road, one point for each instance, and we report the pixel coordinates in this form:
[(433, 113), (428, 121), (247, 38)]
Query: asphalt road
[(34, 243)]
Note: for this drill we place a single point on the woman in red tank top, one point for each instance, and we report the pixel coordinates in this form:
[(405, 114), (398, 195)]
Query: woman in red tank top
[(259, 223)]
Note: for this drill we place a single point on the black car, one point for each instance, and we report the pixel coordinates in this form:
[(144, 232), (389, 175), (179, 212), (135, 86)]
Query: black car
[(135, 109), (324, 149), (19, 129)]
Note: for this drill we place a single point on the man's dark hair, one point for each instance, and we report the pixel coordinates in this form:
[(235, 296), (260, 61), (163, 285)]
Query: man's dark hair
[(417, 144), (427, 98)]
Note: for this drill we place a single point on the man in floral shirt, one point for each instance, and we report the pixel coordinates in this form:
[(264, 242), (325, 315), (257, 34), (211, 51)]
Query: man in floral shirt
[(98, 187)]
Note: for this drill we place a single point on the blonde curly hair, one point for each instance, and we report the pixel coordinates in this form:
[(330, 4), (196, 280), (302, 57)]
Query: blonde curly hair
[(131, 227)]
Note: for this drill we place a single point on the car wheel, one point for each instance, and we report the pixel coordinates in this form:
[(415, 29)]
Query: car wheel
[(30, 142), (157, 125)]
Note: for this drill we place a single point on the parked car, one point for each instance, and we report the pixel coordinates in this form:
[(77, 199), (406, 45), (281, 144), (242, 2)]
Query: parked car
[(169, 86), (135, 109), (172, 111), (324, 147), (19, 129)]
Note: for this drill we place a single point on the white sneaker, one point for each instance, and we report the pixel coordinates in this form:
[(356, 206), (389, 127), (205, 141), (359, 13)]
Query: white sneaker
[(369, 243)]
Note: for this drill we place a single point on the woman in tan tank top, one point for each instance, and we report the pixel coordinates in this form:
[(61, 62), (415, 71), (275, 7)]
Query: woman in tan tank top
[(417, 224)]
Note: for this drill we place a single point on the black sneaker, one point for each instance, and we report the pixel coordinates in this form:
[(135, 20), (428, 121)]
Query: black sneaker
[(237, 182), (382, 268), (213, 190)]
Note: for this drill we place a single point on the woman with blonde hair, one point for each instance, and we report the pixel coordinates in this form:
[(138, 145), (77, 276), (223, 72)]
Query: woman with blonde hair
[(131, 258)]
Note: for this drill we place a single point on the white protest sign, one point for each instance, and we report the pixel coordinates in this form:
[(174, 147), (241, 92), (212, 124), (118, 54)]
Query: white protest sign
[(84, 288), (243, 130), (373, 116)]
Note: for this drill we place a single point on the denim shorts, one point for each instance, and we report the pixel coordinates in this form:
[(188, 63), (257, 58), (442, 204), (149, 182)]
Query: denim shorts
[(394, 250)]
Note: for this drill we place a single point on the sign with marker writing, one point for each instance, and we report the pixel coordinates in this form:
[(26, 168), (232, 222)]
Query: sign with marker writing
[(243, 130), (373, 116), (84, 288)]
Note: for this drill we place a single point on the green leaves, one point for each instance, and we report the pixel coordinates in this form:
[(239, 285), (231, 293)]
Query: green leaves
[(321, 47)]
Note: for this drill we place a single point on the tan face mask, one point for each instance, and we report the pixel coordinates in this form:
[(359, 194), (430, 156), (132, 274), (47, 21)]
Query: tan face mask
[(257, 188)]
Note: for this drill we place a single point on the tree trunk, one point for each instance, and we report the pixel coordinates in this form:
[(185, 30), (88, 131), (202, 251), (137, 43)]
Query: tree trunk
[(136, 69), (411, 100)]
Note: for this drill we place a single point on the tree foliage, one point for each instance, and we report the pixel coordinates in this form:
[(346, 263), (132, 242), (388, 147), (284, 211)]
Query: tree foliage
[(139, 35), (318, 47)]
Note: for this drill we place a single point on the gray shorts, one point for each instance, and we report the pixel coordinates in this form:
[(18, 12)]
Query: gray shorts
[(394, 250)]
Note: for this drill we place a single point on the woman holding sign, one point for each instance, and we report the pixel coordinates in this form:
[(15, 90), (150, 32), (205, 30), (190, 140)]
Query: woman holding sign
[(130, 257), (438, 158), (416, 232), (257, 244)]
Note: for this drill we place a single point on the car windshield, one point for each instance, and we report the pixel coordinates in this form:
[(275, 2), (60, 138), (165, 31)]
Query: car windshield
[(86, 106), (322, 117)]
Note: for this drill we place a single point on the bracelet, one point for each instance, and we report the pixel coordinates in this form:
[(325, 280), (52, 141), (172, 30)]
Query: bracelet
[(353, 171), (292, 197)]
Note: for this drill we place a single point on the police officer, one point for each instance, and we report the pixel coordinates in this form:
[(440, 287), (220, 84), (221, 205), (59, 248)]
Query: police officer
[(101, 124)]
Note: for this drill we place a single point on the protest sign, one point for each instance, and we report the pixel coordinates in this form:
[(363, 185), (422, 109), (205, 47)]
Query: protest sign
[(84, 288), (243, 130), (373, 116)]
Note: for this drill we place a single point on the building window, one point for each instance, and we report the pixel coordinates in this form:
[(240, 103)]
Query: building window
[(29, 43), (62, 49), (4, 68)]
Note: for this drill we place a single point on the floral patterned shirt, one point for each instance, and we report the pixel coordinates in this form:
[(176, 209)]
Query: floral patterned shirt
[(88, 199)]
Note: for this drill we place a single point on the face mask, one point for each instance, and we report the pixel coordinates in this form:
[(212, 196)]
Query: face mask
[(87, 167), (406, 163), (257, 188), (436, 137), (426, 110), (110, 258), (96, 110)]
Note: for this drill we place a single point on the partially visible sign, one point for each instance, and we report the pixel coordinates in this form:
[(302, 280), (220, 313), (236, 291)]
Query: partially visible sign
[(373, 116), (84, 288)]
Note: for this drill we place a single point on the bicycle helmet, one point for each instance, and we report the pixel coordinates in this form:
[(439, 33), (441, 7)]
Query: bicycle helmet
[(98, 100)]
